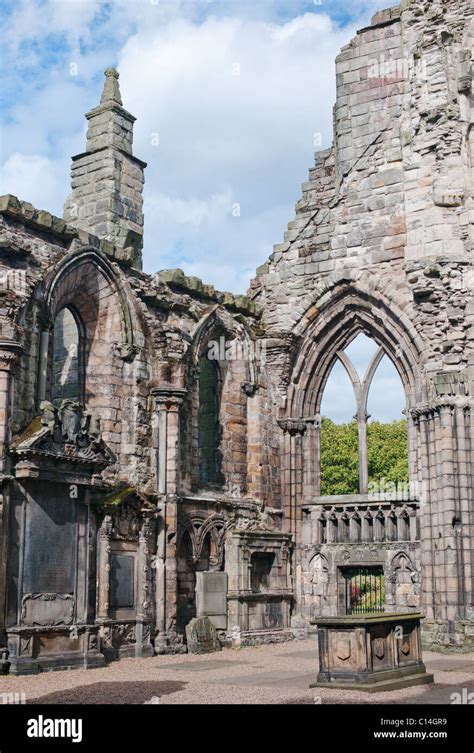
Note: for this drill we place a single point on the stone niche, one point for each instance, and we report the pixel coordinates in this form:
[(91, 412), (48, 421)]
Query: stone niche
[(370, 653), (259, 595), (48, 586)]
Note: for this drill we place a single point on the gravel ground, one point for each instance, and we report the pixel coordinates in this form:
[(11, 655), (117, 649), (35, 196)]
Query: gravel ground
[(278, 673)]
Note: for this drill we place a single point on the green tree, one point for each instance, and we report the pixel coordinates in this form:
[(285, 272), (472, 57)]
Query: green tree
[(387, 447), (339, 458)]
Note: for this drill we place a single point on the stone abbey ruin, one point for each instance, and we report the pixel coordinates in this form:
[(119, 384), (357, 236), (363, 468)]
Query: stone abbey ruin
[(144, 483)]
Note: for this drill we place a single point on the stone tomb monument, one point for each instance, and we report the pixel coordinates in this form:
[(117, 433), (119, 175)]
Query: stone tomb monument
[(370, 652)]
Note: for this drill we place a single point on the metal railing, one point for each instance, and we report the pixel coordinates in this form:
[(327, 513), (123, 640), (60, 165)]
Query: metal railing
[(364, 589)]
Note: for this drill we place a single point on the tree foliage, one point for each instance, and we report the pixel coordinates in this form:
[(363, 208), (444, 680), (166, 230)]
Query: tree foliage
[(387, 447)]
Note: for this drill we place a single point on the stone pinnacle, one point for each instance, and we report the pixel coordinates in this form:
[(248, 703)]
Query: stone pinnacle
[(111, 92)]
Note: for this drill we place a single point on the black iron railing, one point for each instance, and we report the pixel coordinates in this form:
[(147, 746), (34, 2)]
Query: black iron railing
[(365, 590)]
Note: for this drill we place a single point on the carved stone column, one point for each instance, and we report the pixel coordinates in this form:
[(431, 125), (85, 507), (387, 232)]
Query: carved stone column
[(144, 607), (292, 468), (9, 358), (292, 488), (103, 569), (166, 407), (46, 326)]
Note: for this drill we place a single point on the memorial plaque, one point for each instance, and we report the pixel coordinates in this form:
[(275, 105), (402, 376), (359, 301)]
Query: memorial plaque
[(122, 576), (211, 597), (50, 546), (47, 609)]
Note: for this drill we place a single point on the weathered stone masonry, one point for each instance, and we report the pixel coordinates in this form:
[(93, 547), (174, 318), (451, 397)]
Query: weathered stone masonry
[(115, 506)]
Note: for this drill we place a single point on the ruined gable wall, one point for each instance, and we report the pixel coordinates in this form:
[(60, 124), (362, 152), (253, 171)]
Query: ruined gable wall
[(391, 199)]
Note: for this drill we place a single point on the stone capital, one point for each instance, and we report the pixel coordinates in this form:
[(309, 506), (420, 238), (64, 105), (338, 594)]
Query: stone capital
[(168, 398), (292, 426)]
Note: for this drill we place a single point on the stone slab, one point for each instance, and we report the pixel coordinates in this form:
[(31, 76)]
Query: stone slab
[(201, 666), (201, 636)]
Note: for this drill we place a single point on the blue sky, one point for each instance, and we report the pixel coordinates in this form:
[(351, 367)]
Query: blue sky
[(224, 139)]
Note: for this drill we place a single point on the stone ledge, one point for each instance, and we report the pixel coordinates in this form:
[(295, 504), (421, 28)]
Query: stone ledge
[(109, 148), (175, 278), (383, 18), (25, 212)]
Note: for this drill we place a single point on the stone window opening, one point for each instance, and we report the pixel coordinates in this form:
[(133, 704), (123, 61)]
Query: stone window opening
[(209, 427), (363, 589), (67, 358), (358, 471)]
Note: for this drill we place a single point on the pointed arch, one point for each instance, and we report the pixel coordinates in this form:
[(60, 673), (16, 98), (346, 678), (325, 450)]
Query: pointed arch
[(337, 322), (61, 283), (401, 561)]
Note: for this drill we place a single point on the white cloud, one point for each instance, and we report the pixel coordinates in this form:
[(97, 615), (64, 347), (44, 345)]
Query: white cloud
[(193, 211), (248, 136), (33, 178)]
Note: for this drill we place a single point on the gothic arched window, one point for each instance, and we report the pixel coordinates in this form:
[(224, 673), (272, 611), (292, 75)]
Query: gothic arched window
[(208, 421), (66, 366), (358, 455)]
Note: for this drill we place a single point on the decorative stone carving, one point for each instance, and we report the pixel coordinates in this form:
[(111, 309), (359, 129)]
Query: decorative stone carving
[(69, 432), (292, 426), (267, 519), (249, 388), (379, 647), (9, 355), (127, 352), (47, 609)]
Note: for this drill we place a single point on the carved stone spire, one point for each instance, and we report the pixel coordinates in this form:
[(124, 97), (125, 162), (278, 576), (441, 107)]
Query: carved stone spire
[(111, 91), (107, 179)]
